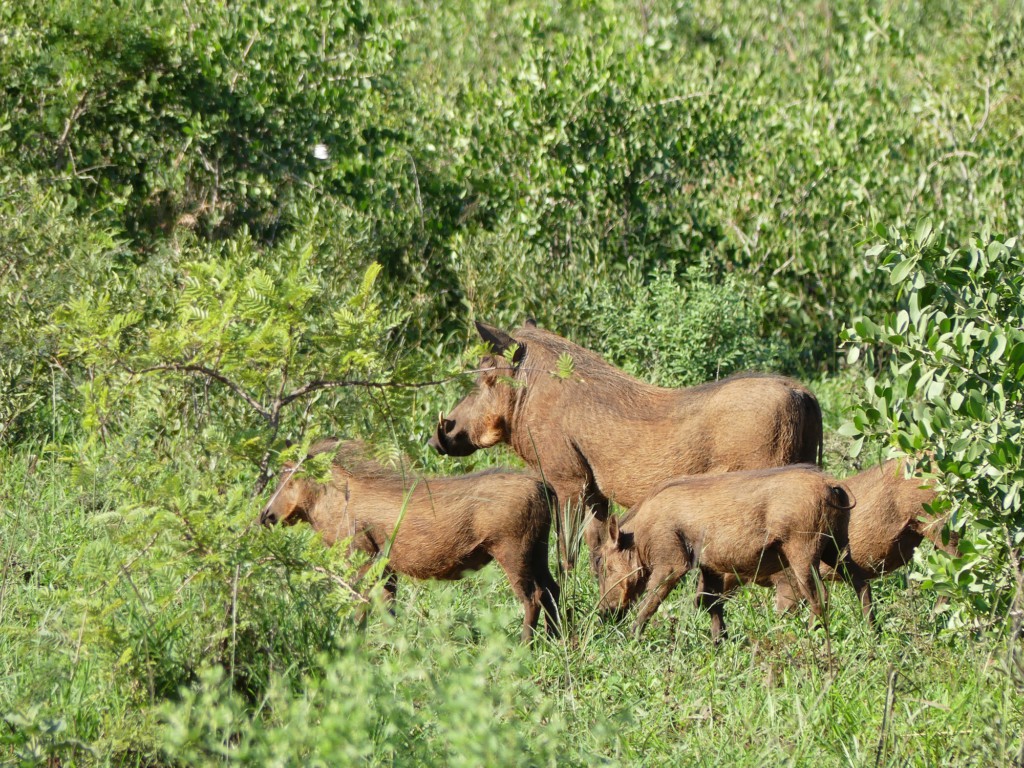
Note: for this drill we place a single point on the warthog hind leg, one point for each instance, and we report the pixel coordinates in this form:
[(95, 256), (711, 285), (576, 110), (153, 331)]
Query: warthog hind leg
[(710, 588)]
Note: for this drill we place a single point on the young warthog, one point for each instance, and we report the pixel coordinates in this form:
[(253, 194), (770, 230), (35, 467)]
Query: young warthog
[(438, 527), (888, 524), (748, 524), (602, 435)]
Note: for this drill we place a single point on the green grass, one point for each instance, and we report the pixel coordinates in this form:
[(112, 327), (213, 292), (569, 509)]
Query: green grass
[(445, 681)]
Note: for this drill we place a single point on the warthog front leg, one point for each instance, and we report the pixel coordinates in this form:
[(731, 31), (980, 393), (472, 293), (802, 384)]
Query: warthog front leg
[(787, 596), (806, 574), (528, 594), (533, 585), (859, 579), (662, 581)]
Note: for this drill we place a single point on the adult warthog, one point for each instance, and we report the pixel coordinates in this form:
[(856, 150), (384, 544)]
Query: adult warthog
[(600, 434)]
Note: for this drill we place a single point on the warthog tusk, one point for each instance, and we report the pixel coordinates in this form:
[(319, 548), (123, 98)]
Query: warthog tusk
[(440, 419)]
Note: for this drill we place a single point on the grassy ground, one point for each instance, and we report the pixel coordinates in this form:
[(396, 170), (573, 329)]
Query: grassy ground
[(92, 674)]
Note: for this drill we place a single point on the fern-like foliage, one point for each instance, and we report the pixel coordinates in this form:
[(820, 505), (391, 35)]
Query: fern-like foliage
[(255, 340), (566, 366)]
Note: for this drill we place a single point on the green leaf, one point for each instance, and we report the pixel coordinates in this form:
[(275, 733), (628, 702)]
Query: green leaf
[(566, 366), (900, 272), (855, 448), (996, 346), (849, 429), (923, 232)]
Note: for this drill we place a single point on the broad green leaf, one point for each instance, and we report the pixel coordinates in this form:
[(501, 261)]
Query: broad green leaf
[(923, 232), (996, 346), (901, 270)]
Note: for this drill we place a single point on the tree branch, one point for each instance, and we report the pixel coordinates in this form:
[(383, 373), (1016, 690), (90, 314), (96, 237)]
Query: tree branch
[(269, 414), (238, 389), (316, 386)]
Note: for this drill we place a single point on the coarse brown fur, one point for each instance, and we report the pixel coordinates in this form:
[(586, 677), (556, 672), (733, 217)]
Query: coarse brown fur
[(602, 435), (887, 525), (441, 526), (749, 525)]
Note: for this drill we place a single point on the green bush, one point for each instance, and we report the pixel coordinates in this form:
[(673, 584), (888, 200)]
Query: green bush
[(49, 249), (680, 331), (407, 705), (950, 383), (592, 161), (133, 587), (198, 116), (862, 113), (250, 339)]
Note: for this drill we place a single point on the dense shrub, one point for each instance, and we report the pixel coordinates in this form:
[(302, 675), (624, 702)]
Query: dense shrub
[(201, 116), (250, 340), (450, 711), (48, 250), (685, 330), (950, 382)]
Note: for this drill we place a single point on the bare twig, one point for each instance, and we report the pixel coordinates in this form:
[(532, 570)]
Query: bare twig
[(315, 386), (81, 634), (984, 117), (950, 156), (76, 112), (306, 389), (245, 55)]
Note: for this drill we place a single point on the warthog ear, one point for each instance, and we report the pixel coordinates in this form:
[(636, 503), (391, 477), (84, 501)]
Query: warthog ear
[(530, 323), (499, 340), (613, 529), (519, 354), (618, 537)]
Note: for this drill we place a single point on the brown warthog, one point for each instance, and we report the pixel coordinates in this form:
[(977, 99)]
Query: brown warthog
[(438, 527), (601, 434), (748, 524), (885, 528)]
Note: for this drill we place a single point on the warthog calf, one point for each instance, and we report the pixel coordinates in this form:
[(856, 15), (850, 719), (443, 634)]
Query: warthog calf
[(438, 527), (602, 435), (887, 525), (748, 524)]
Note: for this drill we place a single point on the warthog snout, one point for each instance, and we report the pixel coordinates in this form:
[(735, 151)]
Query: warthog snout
[(449, 440), (437, 440), (268, 516)]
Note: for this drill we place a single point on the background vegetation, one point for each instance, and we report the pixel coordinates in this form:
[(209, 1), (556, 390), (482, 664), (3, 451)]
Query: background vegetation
[(228, 229)]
